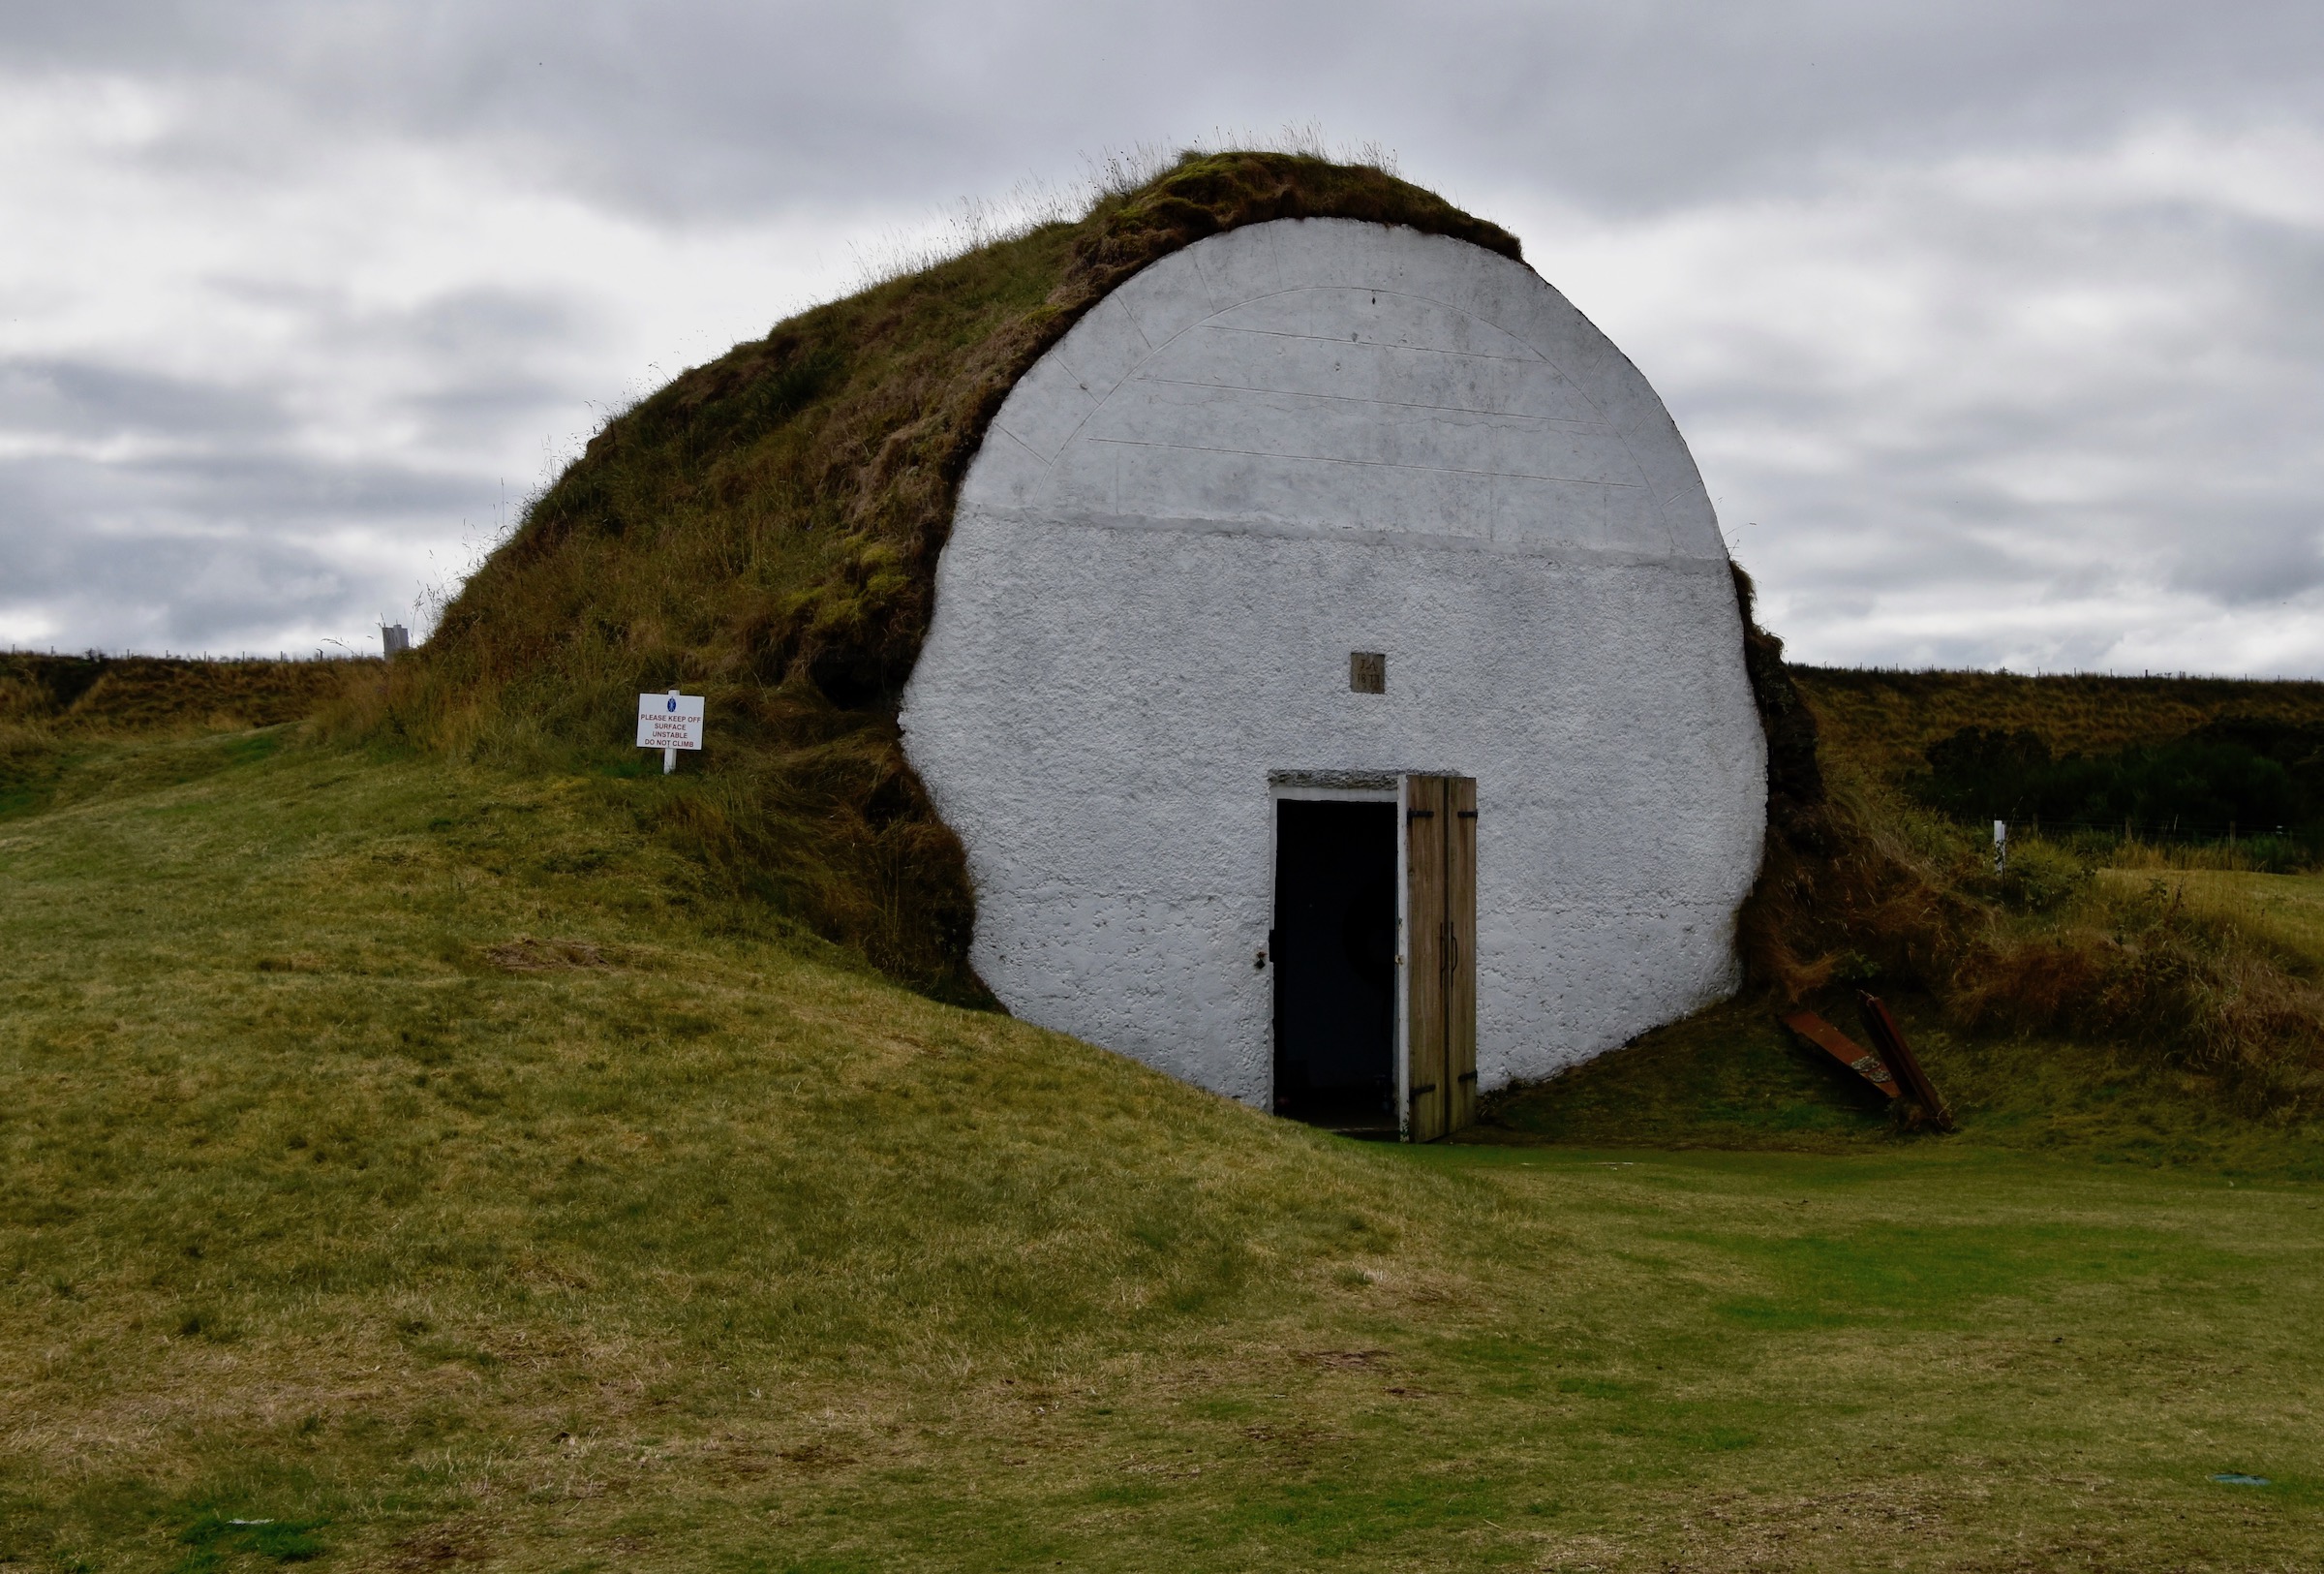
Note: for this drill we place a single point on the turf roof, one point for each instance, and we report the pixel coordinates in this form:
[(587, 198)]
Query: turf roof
[(766, 529)]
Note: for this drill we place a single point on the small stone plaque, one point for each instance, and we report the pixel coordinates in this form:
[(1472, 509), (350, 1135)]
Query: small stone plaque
[(1368, 672)]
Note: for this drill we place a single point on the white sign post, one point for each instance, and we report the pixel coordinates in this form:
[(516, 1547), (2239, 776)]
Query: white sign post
[(669, 723), (2001, 847)]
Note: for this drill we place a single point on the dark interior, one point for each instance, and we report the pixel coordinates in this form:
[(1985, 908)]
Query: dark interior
[(1334, 956)]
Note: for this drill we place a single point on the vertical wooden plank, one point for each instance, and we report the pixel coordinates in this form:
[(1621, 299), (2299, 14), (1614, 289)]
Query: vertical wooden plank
[(1460, 959), (1425, 956), (1403, 1008)]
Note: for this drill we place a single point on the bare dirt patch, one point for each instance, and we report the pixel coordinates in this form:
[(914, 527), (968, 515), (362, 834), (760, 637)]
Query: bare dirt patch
[(524, 954)]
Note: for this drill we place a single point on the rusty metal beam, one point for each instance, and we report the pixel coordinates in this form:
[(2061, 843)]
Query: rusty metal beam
[(1889, 1040), (1822, 1035)]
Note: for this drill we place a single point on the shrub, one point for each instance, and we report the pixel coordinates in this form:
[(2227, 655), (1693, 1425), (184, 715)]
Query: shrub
[(2042, 877), (2248, 775)]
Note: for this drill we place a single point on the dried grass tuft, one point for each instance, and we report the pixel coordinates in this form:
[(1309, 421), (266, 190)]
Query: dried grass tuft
[(524, 954)]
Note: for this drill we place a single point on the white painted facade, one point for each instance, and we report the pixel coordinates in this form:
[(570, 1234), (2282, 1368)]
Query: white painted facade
[(1282, 445)]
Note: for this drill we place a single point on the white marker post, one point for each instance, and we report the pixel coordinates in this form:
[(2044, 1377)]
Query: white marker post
[(669, 723), (2001, 846)]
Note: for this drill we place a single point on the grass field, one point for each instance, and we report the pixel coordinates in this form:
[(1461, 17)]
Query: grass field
[(404, 1166), (2287, 910)]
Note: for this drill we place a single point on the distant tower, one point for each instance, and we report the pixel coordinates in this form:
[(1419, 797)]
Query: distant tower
[(394, 639)]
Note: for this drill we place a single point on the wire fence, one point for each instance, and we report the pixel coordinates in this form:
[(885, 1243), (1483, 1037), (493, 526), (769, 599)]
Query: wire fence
[(2268, 848), (2130, 828)]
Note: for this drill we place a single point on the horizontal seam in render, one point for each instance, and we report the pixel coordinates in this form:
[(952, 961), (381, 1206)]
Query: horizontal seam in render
[(1367, 464), (1535, 359), (1393, 404), (1570, 554)]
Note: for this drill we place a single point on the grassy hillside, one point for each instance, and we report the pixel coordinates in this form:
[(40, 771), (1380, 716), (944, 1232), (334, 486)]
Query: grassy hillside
[(431, 1163), (80, 695), (53, 706), (1882, 723)]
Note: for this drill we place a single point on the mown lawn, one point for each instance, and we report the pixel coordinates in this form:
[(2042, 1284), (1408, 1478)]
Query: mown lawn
[(407, 1167)]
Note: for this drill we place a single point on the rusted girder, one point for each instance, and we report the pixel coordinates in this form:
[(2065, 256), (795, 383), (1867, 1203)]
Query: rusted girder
[(1822, 1035)]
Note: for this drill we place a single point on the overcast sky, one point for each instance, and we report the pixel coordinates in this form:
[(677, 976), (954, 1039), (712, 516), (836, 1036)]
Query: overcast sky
[(1996, 330)]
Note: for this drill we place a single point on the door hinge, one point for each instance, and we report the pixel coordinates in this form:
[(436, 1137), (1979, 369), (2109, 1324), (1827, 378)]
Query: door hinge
[(1466, 1076), (1411, 815), (1425, 1087), (1468, 814)]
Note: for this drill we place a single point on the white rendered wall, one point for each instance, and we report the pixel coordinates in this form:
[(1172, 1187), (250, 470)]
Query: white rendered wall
[(1281, 444)]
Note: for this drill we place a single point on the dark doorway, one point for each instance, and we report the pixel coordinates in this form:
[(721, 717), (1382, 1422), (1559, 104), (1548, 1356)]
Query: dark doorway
[(1334, 954)]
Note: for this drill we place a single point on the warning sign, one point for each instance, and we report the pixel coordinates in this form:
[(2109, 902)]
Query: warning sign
[(671, 720)]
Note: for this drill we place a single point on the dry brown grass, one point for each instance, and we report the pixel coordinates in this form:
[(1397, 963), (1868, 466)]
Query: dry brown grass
[(90, 695)]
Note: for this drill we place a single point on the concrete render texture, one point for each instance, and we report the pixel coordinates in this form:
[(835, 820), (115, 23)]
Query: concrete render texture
[(1277, 447)]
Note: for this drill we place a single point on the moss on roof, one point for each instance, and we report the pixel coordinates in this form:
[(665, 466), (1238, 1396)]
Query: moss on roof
[(765, 529)]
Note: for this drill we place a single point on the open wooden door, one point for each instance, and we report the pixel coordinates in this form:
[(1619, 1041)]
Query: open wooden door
[(1460, 943), (1440, 954), (1426, 1073)]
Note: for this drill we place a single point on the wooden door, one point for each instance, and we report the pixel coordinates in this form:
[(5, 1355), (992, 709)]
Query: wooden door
[(1440, 952), (1425, 1072), (1461, 947)]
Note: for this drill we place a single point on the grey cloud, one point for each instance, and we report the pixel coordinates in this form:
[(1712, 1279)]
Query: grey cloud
[(221, 524), (43, 500), (1997, 454), (1983, 460), (277, 490), (70, 397), (708, 109), (227, 454), (218, 553), (455, 326), (473, 322), (2251, 555), (487, 402)]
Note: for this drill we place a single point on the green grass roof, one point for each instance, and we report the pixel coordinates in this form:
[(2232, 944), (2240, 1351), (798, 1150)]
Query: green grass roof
[(765, 529)]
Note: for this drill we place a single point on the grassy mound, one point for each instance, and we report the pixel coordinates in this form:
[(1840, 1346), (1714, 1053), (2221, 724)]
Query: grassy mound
[(765, 529), (409, 1164), (86, 696), (52, 705)]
